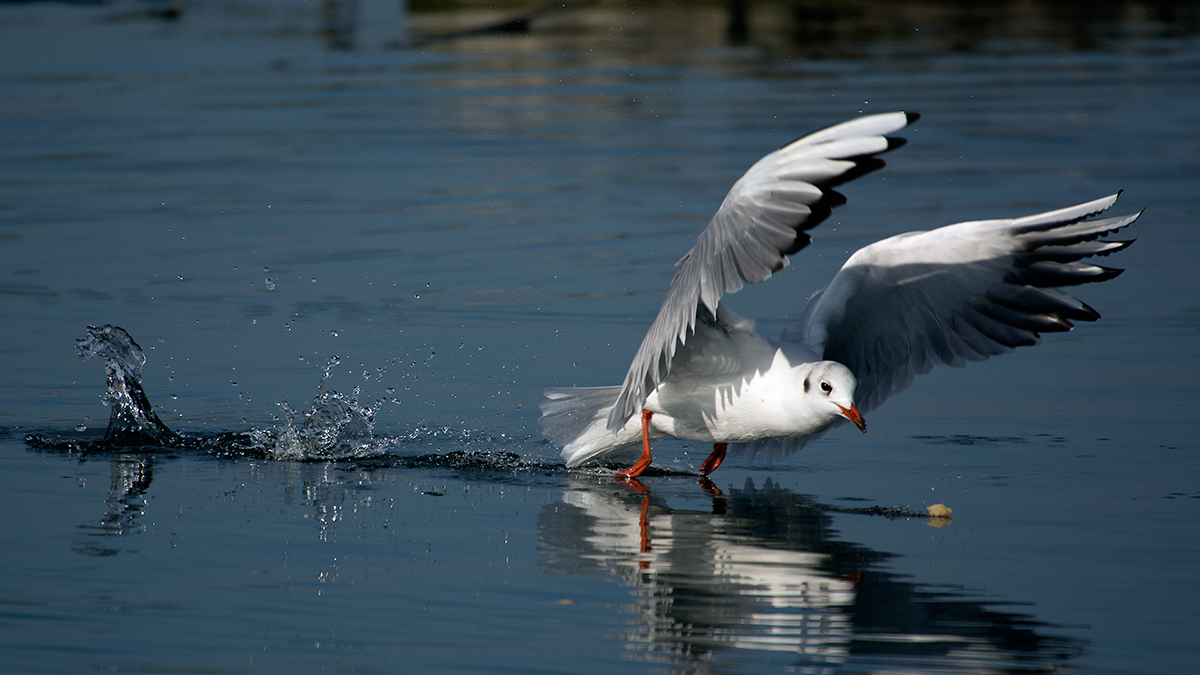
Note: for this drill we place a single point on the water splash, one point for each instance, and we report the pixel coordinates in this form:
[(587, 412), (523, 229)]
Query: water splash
[(335, 427), (132, 420)]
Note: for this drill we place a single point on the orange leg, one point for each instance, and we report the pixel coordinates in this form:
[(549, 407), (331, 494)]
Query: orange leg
[(714, 460), (644, 461)]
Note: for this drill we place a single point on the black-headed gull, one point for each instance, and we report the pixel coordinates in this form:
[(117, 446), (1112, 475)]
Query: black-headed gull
[(959, 293)]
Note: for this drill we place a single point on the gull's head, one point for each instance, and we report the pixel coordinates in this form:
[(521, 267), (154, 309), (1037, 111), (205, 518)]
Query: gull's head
[(829, 388)]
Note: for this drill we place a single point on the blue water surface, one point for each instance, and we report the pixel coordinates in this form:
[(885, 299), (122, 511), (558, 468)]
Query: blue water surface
[(464, 217)]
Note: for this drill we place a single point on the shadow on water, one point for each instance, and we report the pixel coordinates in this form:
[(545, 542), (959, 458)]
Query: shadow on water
[(764, 572)]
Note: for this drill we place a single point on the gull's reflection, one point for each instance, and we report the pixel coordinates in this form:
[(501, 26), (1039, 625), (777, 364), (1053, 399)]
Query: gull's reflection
[(762, 572)]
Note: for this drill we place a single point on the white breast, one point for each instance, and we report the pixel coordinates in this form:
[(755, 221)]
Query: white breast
[(735, 408)]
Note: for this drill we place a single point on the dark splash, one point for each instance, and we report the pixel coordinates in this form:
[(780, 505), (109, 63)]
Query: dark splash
[(133, 426), (335, 426), (132, 421)]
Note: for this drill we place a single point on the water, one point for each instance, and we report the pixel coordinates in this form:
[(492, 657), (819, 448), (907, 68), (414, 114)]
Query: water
[(405, 240)]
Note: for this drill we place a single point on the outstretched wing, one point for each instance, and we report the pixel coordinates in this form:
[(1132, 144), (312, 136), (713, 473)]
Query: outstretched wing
[(762, 221), (958, 293)]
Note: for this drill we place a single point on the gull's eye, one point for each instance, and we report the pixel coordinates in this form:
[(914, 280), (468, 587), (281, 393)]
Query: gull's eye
[(826, 387)]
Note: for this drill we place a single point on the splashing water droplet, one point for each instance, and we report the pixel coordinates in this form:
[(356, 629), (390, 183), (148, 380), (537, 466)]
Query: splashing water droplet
[(132, 420), (270, 284)]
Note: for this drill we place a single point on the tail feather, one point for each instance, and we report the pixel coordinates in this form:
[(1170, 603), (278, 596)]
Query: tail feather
[(576, 419)]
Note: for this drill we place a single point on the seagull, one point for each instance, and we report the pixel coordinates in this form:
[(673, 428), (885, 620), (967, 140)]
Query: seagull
[(897, 307)]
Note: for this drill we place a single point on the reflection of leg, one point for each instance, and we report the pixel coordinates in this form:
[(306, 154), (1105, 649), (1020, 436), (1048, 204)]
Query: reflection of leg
[(714, 460), (644, 530), (633, 484), (718, 497), (643, 461)]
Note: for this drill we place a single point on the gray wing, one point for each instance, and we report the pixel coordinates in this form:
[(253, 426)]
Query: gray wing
[(762, 221), (958, 293)]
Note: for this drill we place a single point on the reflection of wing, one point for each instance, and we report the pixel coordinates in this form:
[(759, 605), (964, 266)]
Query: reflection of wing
[(762, 221), (781, 600), (769, 577), (959, 293)]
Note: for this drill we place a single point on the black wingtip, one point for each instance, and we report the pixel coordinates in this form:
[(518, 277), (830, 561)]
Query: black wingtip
[(1086, 313), (912, 116), (819, 211), (802, 238), (894, 142), (832, 198)]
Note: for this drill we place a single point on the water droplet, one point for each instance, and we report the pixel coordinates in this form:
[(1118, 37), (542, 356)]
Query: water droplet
[(270, 284), (80, 427)]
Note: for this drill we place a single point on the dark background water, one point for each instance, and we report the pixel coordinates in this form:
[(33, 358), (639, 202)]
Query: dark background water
[(465, 217)]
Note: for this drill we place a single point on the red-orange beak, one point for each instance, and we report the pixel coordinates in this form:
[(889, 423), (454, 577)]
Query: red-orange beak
[(853, 415)]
